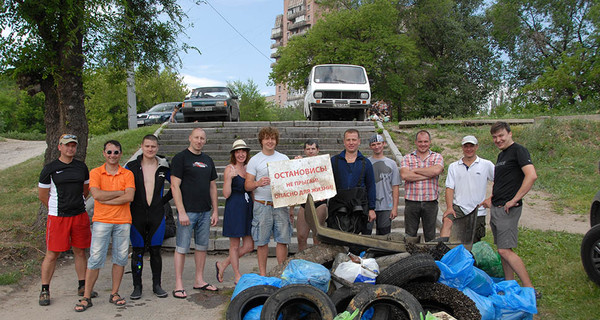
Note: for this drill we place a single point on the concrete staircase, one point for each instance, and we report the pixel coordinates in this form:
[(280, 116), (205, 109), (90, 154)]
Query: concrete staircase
[(220, 136)]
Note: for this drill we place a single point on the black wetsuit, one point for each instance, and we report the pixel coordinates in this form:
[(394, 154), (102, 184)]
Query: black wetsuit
[(148, 221)]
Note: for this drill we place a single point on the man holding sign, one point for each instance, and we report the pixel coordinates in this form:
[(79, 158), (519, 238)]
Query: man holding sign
[(267, 219)]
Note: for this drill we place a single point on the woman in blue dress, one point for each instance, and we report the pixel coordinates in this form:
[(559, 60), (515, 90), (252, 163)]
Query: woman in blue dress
[(237, 220)]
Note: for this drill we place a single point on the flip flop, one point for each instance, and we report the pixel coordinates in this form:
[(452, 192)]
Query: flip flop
[(180, 291), (205, 288), (218, 272)]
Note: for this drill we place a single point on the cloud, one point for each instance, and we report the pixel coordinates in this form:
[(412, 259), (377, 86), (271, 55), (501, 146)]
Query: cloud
[(195, 82)]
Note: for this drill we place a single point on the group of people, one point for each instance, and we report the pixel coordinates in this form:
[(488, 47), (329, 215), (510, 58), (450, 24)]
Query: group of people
[(129, 204)]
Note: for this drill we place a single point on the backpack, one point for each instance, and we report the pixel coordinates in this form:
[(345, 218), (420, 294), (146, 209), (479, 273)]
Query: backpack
[(349, 209)]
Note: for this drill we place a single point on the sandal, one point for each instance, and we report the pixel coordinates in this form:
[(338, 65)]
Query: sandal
[(82, 307), (44, 298), (119, 301)]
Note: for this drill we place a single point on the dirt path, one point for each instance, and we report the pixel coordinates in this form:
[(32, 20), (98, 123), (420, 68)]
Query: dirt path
[(17, 151)]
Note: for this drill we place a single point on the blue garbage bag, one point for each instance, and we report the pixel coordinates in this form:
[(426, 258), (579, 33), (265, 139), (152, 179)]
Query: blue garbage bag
[(456, 268), (481, 283), (300, 271), (254, 313), (252, 279), (484, 304), (513, 302)]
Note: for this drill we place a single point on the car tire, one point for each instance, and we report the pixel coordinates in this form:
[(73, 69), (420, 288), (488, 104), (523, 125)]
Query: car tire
[(418, 267), (248, 299), (342, 296), (314, 115), (436, 297), (590, 253), (295, 299), (360, 115), (388, 302)]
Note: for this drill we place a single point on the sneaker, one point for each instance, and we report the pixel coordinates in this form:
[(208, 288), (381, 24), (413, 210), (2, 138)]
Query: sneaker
[(44, 298), (137, 293), (81, 291), (159, 292)]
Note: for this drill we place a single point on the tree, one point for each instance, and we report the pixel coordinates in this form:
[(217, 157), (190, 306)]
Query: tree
[(552, 46), (253, 106), (106, 102), (46, 43)]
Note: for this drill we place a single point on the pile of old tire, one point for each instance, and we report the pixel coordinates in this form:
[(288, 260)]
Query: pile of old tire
[(418, 275)]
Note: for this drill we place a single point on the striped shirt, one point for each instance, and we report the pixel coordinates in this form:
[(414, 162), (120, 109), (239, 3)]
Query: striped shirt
[(424, 190)]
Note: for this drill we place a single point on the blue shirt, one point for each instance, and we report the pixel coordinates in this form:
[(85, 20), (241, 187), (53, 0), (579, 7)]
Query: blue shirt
[(348, 175)]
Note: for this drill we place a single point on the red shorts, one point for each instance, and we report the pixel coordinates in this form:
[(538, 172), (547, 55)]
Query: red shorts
[(64, 232)]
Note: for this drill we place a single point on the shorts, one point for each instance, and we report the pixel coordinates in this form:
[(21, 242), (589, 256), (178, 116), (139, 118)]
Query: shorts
[(62, 233), (102, 234), (505, 226), (458, 211), (268, 220), (200, 226)]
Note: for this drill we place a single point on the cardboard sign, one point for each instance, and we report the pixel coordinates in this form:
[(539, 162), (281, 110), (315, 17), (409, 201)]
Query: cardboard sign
[(293, 180)]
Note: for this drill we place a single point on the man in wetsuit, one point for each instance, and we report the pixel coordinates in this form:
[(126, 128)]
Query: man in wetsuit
[(147, 213)]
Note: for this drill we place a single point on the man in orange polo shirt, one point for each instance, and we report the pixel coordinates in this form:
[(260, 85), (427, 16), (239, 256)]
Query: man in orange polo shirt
[(113, 188)]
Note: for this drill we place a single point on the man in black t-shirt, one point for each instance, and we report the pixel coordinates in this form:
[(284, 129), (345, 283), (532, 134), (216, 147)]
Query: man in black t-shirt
[(514, 176), (194, 188), (62, 188)]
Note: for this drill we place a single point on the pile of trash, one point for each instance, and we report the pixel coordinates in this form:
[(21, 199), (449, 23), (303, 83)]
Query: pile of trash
[(399, 286)]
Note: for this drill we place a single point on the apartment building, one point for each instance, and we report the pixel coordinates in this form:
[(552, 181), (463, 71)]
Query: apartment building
[(298, 16)]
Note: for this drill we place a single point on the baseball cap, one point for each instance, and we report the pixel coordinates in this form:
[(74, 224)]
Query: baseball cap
[(66, 138), (239, 144), (376, 138), (469, 139)]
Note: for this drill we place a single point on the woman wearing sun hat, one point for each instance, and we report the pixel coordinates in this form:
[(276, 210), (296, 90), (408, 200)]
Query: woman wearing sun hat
[(237, 220)]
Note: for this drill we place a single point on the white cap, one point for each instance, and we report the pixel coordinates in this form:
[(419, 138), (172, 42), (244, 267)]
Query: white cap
[(469, 139)]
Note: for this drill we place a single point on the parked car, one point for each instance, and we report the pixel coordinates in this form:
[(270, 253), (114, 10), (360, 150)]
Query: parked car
[(159, 114), (211, 103), (590, 246)]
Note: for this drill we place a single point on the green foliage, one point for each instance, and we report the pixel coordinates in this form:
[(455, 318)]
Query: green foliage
[(106, 97), (552, 49), (31, 136), (253, 106), (18, 110)]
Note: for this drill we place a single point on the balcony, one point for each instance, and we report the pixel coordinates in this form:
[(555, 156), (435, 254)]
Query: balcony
[(276, 34), (292, 16), (298, 24), (276, 45)]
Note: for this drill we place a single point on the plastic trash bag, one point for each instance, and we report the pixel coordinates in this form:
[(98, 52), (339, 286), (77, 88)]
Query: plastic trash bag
[(513, 302), (300, 271), (484, 304), (366, 271), (487, 259), (252, 279), (456, 268), (481, 283), (254, 313), (346, 315)]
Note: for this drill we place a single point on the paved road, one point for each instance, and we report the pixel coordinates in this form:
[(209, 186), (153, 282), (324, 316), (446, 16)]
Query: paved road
[(22, 303), (16, 151)]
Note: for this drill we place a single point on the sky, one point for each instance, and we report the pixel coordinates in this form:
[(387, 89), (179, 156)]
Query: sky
[(225, 55)]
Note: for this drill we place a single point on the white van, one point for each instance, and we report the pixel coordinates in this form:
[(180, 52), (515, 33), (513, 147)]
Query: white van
[(336, 92)]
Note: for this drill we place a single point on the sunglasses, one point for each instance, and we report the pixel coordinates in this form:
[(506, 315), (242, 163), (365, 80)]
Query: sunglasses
[(68, 136), (109, 152)]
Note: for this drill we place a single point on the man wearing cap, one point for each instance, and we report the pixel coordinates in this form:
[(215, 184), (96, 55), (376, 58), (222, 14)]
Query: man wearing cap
[(387, 187), (466, 185), (420, 170), (62, 188), (194, 188), (267, 220), (148, 214), (514, 176), (113, 188)]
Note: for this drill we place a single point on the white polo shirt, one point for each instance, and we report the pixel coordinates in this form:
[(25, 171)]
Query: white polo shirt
[(470, 183)]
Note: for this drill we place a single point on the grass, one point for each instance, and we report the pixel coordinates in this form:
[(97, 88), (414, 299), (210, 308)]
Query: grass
[(22, 246)]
